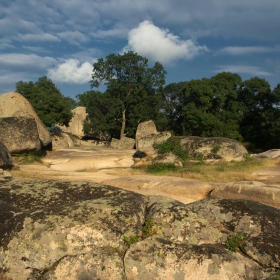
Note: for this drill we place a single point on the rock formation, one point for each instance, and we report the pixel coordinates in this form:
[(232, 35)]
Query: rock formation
[(6, 160), (145, 129), (20, 134), (76, 124), (213, 147), (78, 230), (13, 104), (63, 140), (125, 143)]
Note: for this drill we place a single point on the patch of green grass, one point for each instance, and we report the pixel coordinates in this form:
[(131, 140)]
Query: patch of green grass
[(234, 242), (161, 168), (26, 158), (215, 148), (131, 239), (172, 145)]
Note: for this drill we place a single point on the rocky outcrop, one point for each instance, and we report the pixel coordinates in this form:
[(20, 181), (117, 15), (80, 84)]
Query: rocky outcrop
[(62, 140), (273, 154), (213, 148), (124, 143), (6, 160), (13, 104), (168, 158), (76, 124), (251, 190), (75, 230), (20, 134)]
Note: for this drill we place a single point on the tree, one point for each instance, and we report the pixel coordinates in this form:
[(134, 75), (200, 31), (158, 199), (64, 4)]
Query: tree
[(48, 102), (132, 85)]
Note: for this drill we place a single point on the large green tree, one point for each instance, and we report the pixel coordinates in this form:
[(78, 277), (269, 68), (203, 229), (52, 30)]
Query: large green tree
[(48, 102), (132, 86)]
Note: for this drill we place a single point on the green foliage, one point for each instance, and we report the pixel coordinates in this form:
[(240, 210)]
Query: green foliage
[(131, 239), (27, 158), (132, 94), (158, 167), (48, 102), (215, 148), (276, 276), (235, 242), (172, 145)]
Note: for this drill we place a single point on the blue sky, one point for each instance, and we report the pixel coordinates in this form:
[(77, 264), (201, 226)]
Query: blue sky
[(191, 38)]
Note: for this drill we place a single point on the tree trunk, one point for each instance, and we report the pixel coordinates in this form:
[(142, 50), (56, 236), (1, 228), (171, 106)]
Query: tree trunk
[(123, 124)]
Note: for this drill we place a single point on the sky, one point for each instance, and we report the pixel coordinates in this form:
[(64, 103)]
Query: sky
[(192, 39)]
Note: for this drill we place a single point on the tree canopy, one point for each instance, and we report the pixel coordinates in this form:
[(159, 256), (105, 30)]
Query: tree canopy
[(132, 93), (48, 102)]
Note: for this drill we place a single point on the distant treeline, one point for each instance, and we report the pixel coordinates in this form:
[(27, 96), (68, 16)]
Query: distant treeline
[(221, 106)]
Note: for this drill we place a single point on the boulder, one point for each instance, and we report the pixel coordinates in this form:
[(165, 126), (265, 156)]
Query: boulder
[(13, 104), (273, 154), (64, 140), (213, 147), (145, 129), (6, 160), (125, 143), (250, 190), (77, 230), (146, 143), (20, 134), (168, 158), (76, 124)]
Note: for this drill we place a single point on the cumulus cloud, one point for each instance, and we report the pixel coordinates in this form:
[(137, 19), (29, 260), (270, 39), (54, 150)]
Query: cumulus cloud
[(161, 45), (245, 69), (235, 50), (70, 72)]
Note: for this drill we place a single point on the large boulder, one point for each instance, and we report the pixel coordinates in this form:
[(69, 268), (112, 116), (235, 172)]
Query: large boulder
[(6, 160), (20, 134), (213, 147), (124, 143), (80, 230), (76, 124), (13, 104), (145, 129)]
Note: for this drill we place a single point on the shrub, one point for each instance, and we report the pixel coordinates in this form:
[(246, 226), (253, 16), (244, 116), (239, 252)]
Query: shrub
[(172, 145), (131, 239), (26, 158), (215, 148), (235, 242)]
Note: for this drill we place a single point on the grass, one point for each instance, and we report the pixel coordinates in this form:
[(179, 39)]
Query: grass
[(235, 242), (26, 158)]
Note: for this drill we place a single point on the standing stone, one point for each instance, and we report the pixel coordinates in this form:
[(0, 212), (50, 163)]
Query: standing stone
[(76, 124), (145, 129), (13, 104)]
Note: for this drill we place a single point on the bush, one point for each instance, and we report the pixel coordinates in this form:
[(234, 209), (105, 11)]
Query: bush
[(27, 158), (235, 242), (161, 167), (172, 145)]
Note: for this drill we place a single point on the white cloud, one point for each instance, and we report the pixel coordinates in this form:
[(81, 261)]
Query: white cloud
[(235, 50), (161, 45), (251, 70), (25, 61), (75, 38), (40, 37), (70, 72)]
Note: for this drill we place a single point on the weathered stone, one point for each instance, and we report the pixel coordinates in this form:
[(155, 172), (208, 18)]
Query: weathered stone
[(168, 158), (64, 140), (20, 134), (213, 147), (145, 129), (274, 154), (76, 124), (74, 230), (6, 160), (13, 104), (124, 143), (249, 190)]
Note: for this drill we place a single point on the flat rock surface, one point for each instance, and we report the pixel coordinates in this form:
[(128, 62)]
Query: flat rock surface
[(75, 230)]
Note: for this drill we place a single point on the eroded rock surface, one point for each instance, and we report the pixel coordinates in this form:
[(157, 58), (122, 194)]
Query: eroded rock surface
[(74, 230)]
